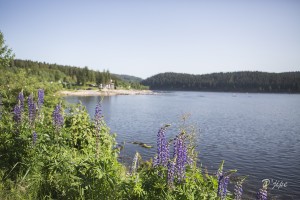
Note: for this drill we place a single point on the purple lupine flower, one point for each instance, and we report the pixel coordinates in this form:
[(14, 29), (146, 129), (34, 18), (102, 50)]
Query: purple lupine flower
[(34, 137), (180, 152), (220, 177), (97, 120), (58, 119), (41, 95), (238, 190), (17, 114), (171, 172), (262, 193), (222, 186), (98, 116), (21, 100), (162, 148), (31, 109)]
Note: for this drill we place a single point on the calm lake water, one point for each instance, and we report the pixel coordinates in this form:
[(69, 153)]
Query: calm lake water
[(257, 134)]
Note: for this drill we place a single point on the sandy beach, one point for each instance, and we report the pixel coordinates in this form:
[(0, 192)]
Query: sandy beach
[(105, 92)]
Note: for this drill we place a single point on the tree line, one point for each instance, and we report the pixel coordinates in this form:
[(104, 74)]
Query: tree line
[(71, 76), (65, 73), (244, 81)]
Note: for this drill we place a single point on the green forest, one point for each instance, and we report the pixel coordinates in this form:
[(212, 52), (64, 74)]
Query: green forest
[(71, 77), (245, 81)]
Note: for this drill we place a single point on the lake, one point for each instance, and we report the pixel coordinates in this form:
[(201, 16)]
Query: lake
[(257, 134)]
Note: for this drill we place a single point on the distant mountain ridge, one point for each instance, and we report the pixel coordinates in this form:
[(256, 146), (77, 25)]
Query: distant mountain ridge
[(243, 81), (128, 78), (77, 74)]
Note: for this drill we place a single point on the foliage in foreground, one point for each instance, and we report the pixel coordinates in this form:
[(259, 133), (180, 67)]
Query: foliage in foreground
[(56, 155), (48, 154)]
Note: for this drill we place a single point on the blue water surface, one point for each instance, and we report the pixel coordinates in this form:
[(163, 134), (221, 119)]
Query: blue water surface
[(257, 134)]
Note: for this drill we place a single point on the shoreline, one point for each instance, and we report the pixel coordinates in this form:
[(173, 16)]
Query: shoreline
[(105, 92)]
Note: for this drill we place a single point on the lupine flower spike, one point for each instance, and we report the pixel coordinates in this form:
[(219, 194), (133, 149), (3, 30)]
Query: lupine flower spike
[(223, 180), (222, 186), (171, 172), (180, 152), (40, 101), (34, 138), (162, 148), (31, 110), (17, 114), (220, 176), (262, 193), (58, 119), (98, 116), (97, 120), (238, 189)]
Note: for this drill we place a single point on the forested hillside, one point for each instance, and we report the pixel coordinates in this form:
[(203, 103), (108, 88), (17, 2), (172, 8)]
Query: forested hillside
[(232, 81), (129, 78), (71, 75)]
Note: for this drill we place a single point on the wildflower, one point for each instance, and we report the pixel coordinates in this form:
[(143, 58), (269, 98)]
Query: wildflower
[(238, 191), (34, 138), (17, 114), (171, 172), (97, 119), (58, 119), (21, 100), (222, 186), (180, 152), (40, 101), (162, 148), (262, 193), (98, 116), (31, 109)]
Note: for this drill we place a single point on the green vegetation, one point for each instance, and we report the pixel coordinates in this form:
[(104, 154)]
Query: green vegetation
[(67, 74), (52, 151), (72, 77), (42, 158), (288, 82)]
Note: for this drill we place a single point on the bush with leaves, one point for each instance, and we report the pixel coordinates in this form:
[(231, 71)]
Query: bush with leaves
[(57, 163)]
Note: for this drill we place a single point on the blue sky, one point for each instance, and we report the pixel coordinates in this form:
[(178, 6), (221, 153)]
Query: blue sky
[(143, 38)]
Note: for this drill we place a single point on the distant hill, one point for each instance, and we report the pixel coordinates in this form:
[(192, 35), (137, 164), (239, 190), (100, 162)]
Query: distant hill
[(72, 75), (244, 81), (128, 78), (55, 72)]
